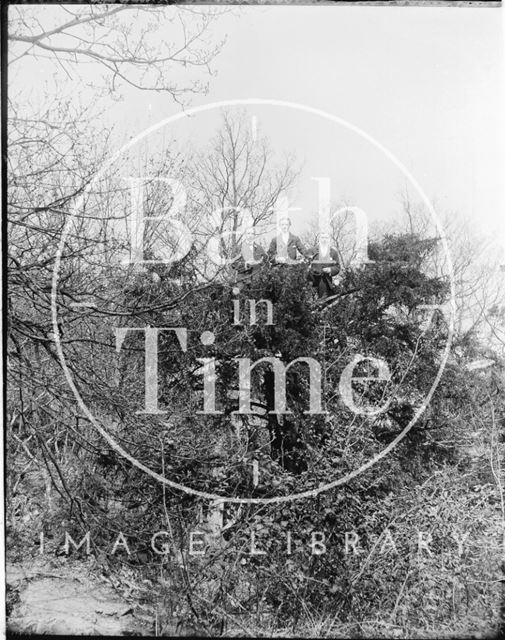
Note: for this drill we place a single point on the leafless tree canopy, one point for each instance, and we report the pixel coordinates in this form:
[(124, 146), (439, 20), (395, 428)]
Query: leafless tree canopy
[(136, 45)]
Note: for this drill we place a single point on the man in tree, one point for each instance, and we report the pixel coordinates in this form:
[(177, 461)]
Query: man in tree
[(252, 255), (324, 265), (286, 247)]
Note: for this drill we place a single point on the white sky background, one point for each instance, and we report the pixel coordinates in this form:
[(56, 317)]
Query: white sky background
[(427, 83)]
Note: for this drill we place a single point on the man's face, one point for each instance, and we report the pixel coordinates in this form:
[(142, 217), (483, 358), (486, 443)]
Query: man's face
[(284, 226)]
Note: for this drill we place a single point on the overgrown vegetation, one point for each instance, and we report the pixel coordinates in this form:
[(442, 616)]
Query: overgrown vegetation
[(442, 482), (411, 546)]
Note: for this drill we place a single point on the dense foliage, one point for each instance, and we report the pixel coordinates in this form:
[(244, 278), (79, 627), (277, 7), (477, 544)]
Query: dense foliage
[(430, 482)]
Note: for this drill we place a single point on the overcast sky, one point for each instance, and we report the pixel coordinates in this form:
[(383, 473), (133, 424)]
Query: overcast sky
[(426, 83)]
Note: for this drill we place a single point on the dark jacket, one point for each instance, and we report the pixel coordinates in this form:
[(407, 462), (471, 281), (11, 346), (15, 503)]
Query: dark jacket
[(322, 281), (242, 266), (317, 263), (294, 246)]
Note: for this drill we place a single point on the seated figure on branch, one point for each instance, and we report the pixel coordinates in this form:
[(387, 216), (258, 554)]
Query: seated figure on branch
[(252, 255), (324, 265), (286, 248)]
